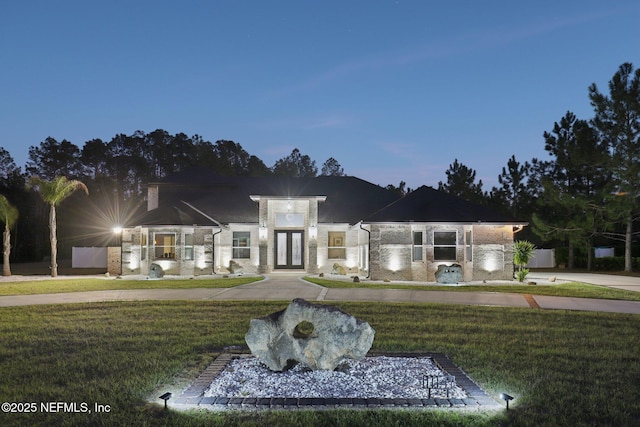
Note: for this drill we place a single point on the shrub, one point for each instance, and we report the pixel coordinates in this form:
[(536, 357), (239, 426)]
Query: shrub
[(522, 274), (610, 263), (614, 263), (523, 251)]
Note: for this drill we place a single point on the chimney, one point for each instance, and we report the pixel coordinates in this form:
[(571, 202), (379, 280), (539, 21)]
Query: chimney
[(153, 196)]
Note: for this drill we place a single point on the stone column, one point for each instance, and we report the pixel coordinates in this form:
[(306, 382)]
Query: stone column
[(312, 226), (263, 236), (114, 260)]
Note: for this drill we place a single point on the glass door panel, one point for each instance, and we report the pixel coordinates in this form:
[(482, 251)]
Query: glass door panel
[(289, 249)]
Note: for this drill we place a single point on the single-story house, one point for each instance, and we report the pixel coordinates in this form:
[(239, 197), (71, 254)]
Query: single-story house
[(198, 223)]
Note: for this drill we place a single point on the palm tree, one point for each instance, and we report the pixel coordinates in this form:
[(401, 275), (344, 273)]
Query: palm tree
[(55, 192), (523, 252), (8, 215)]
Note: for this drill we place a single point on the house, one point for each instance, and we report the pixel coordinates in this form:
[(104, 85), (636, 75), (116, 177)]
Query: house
[(198, 223)]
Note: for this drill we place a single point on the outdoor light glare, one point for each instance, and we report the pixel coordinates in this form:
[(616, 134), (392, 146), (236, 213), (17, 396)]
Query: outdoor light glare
[(506, 398), (491, 264), (166, 397), (117, 229)]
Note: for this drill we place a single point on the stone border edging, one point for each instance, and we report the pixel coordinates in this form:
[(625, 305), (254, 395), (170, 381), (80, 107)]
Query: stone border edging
[(192, 396)]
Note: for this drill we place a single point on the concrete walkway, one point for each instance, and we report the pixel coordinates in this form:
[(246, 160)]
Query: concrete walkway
[(290, 286)]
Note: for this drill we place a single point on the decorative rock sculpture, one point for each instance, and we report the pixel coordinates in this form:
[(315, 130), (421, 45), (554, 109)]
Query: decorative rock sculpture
[(317, 336), (449, 274), (235, 268), (155, 271), (338, 269)]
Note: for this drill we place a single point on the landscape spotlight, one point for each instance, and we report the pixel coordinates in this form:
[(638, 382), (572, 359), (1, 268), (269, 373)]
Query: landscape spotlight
[(506, 398), (167, 396)]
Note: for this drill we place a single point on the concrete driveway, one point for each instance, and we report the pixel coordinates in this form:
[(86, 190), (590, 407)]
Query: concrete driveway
[(628, 283)]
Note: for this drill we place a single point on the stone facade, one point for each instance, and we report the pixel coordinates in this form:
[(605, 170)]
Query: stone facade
[(114, 265), (286, 233), (189, 251), (485, 252), (378, 251)]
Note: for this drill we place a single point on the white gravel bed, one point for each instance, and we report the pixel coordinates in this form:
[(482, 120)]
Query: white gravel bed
[(372, 377)]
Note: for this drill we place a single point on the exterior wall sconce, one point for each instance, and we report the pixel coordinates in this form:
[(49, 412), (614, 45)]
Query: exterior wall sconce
[(313, 232), (262, 233), (200, 261)]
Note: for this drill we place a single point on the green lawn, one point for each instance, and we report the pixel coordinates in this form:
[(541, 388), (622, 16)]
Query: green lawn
[(571, 289), (48, 286), (563, 367)]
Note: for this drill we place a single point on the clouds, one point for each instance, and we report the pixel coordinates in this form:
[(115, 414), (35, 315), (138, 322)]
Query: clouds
[(424, 47), (399, 149), (308, 123)]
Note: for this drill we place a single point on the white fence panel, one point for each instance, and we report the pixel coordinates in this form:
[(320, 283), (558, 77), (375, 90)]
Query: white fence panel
[(603, 252), (88, 257), (543, 258)]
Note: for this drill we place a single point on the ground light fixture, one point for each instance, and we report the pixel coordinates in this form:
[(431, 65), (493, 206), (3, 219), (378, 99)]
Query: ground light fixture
[(506, 398), (168, 395)]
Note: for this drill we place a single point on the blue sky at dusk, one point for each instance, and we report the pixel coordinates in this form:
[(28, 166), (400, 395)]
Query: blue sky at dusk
[(394, 90)]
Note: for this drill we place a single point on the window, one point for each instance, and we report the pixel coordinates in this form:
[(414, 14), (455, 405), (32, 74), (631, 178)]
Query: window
[(241, 244), (444, 245), (417, 246), (289, 220), (188, 247), (143, 247), (165, 245), (336, 246)]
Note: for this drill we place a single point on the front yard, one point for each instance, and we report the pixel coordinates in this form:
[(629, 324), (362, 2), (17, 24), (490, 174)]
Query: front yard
[(563, 368)]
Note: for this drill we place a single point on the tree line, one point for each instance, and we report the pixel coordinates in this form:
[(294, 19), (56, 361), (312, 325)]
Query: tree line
[(584, 191), (116, 172), (587, 190)]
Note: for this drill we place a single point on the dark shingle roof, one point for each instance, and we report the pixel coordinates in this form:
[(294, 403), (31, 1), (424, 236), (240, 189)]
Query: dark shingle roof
[(227, 199), (180, 214), (200, 197), (426, 204)]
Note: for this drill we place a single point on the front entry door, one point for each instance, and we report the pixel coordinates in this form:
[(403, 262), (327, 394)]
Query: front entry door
[(289, 249)]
